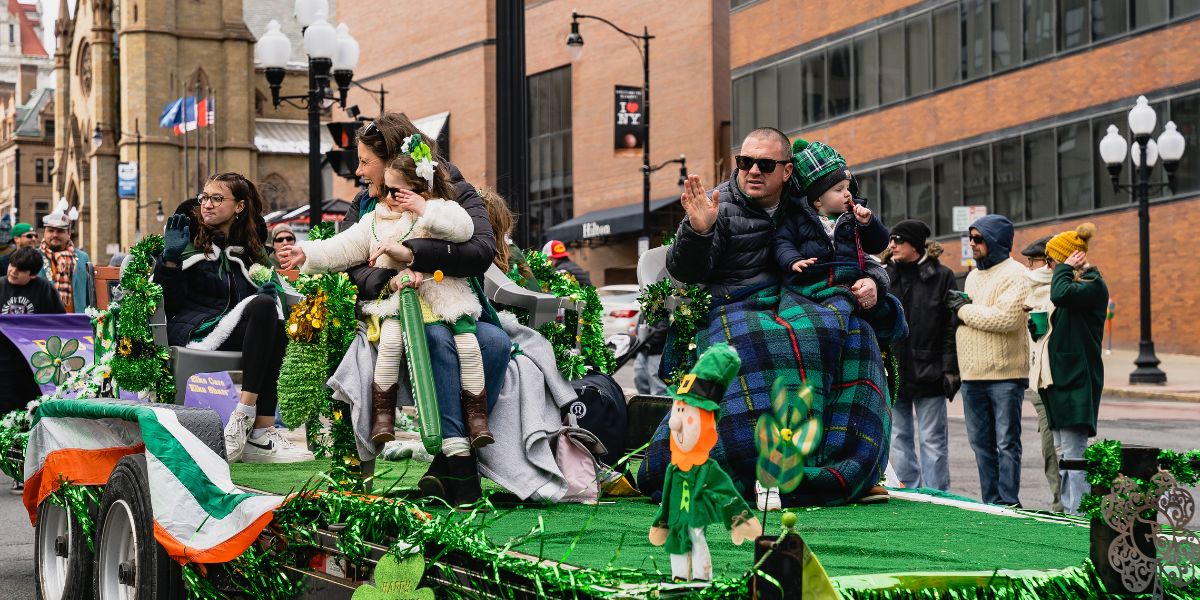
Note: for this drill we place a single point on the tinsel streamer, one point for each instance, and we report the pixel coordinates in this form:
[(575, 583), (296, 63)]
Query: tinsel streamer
[(78, 500), (139, 364), (14, 435), (584, 329), (302, 382), (1104, 464), (1180, 465), (686, 320)]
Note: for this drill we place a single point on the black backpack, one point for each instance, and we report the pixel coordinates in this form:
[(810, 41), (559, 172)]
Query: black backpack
[(600, 409)]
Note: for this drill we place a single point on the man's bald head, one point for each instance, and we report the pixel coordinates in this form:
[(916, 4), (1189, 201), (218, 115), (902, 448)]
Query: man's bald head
[(770, 134)]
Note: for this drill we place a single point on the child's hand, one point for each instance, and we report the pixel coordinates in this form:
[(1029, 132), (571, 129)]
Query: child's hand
[(398, 252), (801, 265), (862, 213), (405, 278), (411, 201)]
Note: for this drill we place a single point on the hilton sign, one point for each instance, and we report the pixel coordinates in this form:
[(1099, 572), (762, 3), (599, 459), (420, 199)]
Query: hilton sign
[(593, 229)]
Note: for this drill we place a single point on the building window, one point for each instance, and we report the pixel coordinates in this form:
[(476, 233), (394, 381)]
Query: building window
[(892, 204), (1075, 168), (814, 88), (1008, 194), (947, 50), (1109, 18), (743, 107), (12, 33), (766, 99), (550, 160), (947, 187), (868, 188), (838, 83), (1105, 194), (866, 71), (41, 208), (920, 77), (1074, 26), (1039, 28), (39, 170), (1183, 8), (1041, 183), (791, 95), (1147, 13), (920, 192), (1186, 114), (891, 63), (50, 171), (50, 130), (976, 34), (977, 177), (1006, 34)]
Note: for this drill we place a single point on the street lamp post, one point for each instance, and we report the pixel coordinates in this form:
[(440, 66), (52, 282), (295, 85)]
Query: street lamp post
[(575, 47), (328, 50), (1145, 153)]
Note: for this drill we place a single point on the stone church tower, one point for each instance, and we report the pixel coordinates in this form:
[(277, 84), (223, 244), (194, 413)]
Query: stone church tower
[(117, 64)]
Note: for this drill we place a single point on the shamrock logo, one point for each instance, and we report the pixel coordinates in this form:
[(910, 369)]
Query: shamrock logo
[(57, 362), (396, 579), (786, 435)]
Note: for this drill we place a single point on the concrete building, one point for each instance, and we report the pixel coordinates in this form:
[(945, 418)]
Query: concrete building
[(443, 70), (998, 103)]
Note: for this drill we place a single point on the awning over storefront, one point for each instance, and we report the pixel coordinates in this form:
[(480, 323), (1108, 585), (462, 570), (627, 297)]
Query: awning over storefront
[(286, 136), (606, 222)]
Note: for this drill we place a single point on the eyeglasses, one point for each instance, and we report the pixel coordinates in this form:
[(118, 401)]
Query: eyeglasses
[(978, 239), (285, 238), (766, 165), (211, 199), (897, 239)]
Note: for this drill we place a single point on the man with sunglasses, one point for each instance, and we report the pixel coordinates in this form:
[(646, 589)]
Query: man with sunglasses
[(22, 236), (993, 357)]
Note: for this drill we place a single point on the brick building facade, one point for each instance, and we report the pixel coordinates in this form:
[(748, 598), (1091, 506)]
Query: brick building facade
[(445, 62), (1001, 103)]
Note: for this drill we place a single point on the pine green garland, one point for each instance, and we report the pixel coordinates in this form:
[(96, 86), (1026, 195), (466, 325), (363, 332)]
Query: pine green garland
[(587, 328), (1104, 464), (686, 320), (138, 364)]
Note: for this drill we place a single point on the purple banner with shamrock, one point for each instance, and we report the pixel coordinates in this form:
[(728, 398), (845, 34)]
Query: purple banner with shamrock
[(55, 346)]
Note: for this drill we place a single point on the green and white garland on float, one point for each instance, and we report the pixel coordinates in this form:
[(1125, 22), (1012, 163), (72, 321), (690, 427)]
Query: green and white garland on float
[(686, 320), (588, 330), (135, 361)]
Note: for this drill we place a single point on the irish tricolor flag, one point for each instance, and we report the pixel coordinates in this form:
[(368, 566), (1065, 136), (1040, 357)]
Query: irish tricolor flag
[(199, 515)]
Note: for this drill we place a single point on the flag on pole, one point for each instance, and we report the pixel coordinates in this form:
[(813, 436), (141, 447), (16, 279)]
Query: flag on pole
[(202, 112), (212, 109), (170, 114), (187, 118)]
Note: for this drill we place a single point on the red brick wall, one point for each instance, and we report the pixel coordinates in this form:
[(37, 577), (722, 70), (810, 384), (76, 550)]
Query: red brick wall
[(1175, 293)]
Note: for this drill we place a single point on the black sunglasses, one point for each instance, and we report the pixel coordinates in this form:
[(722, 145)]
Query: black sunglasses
[(898, 239), (978, 239), (285, 238), (372, 130), (390, 191), (766, 165)]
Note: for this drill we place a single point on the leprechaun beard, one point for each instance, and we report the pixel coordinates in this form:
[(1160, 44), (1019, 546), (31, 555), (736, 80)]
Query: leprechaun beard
[(699, 453)]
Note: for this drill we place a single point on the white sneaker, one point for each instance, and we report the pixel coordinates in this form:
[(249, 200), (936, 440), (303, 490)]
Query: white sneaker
[(236, 430), (767, 498), (272, 447)]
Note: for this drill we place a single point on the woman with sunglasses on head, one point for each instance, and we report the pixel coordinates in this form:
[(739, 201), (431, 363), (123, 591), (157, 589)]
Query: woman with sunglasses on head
[(220, 294), (379, 143)]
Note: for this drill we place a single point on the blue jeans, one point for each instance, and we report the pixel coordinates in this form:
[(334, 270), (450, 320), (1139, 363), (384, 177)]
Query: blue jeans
[(933, 469), (993, 414), (443, 357), (1073, 441)]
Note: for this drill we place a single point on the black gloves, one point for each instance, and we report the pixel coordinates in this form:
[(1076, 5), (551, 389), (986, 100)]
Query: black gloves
[(956, 300), (950, 385), (176, 237), (1033, 330)]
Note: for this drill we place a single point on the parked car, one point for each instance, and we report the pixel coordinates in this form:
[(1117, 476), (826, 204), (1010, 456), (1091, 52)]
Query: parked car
[(621, 308)]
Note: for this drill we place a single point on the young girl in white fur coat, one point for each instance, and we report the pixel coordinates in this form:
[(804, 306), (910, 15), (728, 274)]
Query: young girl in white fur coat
[(414, 206)]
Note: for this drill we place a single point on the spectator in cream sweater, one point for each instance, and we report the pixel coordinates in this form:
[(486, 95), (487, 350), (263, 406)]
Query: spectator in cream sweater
[(993, 357)]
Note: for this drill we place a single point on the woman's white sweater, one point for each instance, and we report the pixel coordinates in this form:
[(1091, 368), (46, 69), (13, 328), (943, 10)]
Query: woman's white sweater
[(992, 340)]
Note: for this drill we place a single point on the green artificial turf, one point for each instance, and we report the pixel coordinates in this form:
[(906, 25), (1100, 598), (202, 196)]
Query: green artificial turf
[(899, 536)]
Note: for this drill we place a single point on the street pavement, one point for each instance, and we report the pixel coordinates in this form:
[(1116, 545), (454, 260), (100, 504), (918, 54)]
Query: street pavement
[(1163, 424)]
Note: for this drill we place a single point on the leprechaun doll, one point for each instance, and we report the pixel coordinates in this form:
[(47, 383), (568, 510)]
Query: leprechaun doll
[(696, 492)]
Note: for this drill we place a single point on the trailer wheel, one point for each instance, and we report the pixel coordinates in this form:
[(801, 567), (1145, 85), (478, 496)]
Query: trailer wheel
[(62, 561), (129, 564)]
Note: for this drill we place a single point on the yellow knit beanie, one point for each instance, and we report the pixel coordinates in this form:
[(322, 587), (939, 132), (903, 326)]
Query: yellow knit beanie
[(1068, 242)]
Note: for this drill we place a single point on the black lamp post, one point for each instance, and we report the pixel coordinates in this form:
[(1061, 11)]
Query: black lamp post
[(681, 161), (1145, 153), (575, 47), (328, 50)]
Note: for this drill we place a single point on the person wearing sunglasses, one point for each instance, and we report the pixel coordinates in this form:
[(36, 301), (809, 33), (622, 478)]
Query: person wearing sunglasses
[(993, 357), (282, 237)]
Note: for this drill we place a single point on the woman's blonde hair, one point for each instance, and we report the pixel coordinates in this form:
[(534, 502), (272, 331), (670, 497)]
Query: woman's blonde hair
[(503, 220)]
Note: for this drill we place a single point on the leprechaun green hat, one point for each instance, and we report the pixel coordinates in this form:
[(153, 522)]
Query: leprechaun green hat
[(705, 385)]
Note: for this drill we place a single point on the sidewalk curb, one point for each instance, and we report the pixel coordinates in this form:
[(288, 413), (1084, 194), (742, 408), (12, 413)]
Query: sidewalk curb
[(1150, 393)]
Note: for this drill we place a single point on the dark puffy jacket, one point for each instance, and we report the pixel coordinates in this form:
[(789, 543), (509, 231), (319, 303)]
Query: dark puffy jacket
[(735, 254), (201, 289), (929, 351), (468, 259), (801, 236), (739, 251)]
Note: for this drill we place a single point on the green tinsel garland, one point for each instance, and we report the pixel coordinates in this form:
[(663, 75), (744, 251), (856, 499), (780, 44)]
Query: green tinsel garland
[(79, 500), (139, 364), (14, 434), (586, 328), (686, 320), (313, 353), (1104, 464)]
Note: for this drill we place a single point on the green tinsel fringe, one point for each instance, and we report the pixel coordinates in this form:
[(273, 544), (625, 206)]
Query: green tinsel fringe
[(686, 320), (302, 382), (139, 364), (586, 328)]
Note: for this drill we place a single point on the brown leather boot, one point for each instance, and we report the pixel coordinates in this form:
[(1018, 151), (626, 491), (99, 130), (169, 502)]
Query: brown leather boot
[(383, 417), (475, 414)]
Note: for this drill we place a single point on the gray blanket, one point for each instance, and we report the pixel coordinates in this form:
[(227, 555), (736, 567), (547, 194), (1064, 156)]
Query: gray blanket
[(525, 419), (351, 384)]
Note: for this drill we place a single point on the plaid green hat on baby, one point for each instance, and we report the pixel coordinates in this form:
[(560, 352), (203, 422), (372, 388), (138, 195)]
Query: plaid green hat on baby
[(818, 167)]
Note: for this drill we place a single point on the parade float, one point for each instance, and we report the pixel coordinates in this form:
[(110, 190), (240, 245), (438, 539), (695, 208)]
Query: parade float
[(131, 497)]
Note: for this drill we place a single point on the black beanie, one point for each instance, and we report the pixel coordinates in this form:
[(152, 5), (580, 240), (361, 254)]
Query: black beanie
[(823, 183), (913, 232)]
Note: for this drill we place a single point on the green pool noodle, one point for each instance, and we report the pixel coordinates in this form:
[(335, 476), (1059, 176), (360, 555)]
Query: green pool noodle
[(420, 371)]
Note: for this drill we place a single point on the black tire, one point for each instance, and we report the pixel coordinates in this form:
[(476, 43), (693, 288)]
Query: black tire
[(59, 577), (126, 552)]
